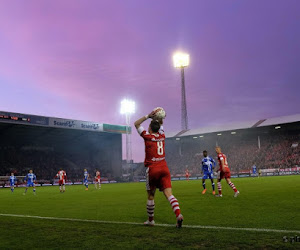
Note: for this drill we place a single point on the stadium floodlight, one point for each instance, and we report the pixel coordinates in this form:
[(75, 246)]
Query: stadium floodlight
[(127, 107), (201, 136), (219, 134), (181, 60), (233, 132), (277, 127)]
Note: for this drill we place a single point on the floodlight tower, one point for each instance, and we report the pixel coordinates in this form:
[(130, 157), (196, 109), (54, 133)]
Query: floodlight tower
[(182, 60), (127, 109)]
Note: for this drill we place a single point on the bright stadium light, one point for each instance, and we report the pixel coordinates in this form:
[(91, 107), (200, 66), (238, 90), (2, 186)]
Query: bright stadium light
[(127, 107), (277, 127), (181, 60)]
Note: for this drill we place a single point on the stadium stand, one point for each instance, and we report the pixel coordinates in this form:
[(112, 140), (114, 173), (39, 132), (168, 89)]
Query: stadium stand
[(46, 144), (267, 144)]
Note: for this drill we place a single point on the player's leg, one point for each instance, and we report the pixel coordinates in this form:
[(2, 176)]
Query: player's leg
[(96, 183), (175, 205), (86, 183), (64, 187), (236, 192), (203, 184), (33, 186), (99, 183), (60, 187), (26, 189), (219, 185), (12, 188), (150, 207), (151, 188), (212, 184)]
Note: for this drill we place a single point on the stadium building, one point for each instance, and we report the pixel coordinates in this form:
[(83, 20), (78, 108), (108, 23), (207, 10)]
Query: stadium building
[(46, 144), (269, 144)]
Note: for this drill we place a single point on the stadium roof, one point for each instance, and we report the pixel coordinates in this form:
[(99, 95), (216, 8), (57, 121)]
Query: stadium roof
[(237, 125), (54, 122)]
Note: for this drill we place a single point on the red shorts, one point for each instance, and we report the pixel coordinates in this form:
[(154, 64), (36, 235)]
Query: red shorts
[(158, 176), (97, 179), (61, 182), (225, 175)]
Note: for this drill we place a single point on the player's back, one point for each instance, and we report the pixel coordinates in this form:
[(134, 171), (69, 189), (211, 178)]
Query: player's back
[(61, 174), (154, 148), (86, 174), (223, 157)]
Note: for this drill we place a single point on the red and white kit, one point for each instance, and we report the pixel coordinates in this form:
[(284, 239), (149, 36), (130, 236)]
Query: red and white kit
[(224, 170), (62, 177), (157, 174), (97, 177)]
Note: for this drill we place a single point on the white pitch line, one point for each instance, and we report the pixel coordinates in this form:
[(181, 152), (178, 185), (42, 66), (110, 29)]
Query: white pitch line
[(159, 225)]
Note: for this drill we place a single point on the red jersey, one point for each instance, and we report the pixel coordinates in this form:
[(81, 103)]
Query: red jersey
[(62, 175), (225, 167), (97, 174), (154, 147)]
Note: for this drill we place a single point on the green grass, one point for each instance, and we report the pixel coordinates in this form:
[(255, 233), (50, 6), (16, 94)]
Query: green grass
[(270, 202)]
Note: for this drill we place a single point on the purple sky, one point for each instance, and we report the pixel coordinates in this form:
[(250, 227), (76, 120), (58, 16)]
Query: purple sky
[(78, 59)]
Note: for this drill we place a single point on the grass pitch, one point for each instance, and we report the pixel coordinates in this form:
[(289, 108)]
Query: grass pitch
[(264, 203)]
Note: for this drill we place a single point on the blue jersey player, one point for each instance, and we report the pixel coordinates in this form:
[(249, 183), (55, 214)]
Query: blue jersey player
[(30, 179), (86, 181), (12, 180), (208, 164)]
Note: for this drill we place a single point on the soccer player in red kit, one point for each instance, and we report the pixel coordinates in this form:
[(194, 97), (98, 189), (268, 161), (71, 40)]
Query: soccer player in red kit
[(98, 180), (187, 175), (224, 172), (62, 180), (157, 173)]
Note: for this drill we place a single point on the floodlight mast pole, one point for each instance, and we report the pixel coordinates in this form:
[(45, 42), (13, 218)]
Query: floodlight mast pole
[(182, 60), (184, 116), (128, 140)]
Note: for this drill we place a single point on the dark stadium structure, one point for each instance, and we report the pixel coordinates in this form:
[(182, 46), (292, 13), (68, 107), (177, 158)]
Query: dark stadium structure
[(267, 144), (46, 144)]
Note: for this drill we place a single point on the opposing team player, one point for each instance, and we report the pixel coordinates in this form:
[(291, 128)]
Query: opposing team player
[(62, 180), (224, 172), (208, 164), (30, 179), (97, 180), (86, 179), (157, 173), (12, 180)]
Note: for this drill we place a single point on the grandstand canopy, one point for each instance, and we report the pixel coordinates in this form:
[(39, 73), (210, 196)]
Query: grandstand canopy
[(237, 125), (54, 122), (98, 144)]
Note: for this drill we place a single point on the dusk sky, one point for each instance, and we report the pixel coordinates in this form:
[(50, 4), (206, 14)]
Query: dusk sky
[(79, 59)]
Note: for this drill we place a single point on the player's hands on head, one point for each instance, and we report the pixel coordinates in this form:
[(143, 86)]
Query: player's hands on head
[(152, 114)]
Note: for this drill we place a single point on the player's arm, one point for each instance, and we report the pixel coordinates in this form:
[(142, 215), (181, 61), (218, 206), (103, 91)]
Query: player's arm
[(138, 123), (222, 163), (214, 162)]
